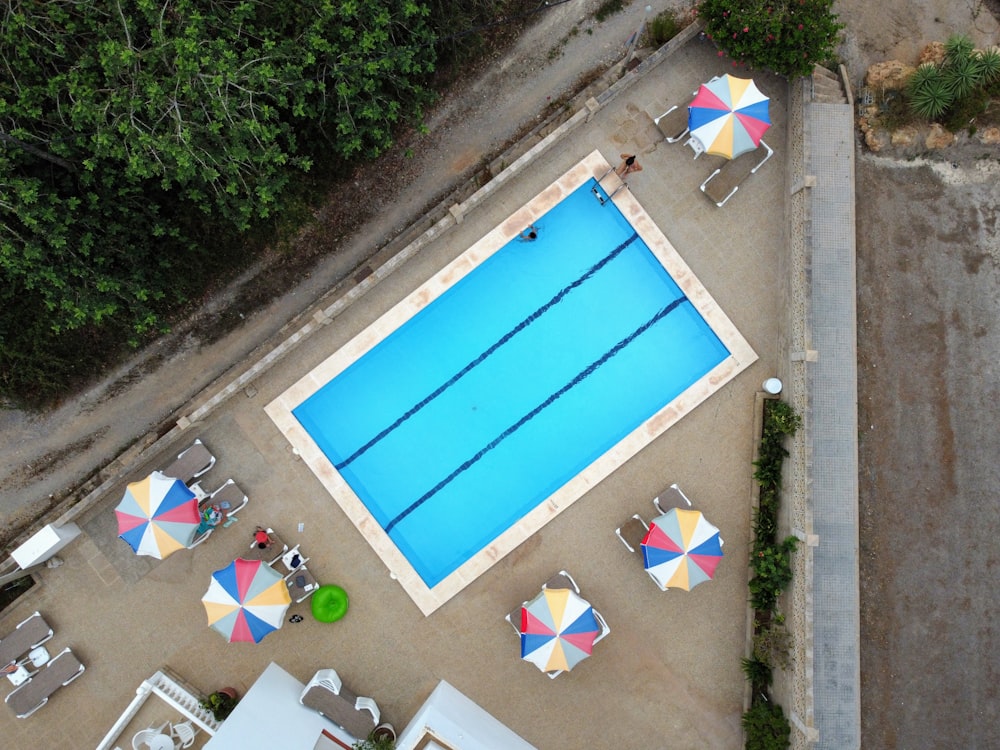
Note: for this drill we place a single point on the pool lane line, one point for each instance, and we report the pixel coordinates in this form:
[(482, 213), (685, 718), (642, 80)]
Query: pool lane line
[(482, 357), (582, 375)]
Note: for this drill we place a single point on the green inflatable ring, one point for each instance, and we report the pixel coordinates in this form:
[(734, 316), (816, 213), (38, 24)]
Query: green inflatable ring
[(329, 603)]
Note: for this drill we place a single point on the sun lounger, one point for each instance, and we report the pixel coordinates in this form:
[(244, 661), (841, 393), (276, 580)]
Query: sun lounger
[(632, 532), (673, 124), (328, 696), (191, 463), (514, 618), (29, 634), (561, 580), (301, 584), (723, 183), (672, 497), (271, 554), (229, 493), (35, 693)]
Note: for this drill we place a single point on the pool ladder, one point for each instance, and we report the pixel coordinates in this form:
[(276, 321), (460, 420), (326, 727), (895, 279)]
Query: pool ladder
[(597, 193)]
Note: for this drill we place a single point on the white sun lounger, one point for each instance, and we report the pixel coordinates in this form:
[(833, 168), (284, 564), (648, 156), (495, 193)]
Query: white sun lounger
[(30, 633), (191, 463), (723, 183), (35, 693)]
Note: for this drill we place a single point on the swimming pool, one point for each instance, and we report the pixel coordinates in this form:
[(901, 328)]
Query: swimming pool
[(506, 389)]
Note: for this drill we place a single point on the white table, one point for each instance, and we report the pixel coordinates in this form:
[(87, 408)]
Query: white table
[(161, 742)]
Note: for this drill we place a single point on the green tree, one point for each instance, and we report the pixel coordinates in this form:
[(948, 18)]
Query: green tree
[(123, 121), (786, 36)]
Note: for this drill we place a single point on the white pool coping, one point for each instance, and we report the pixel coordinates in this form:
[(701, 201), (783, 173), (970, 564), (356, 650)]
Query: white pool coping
[(428, 599)]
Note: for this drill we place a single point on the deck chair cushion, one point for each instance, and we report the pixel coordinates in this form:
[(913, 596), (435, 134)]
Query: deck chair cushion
[(30, 633), (673, 123)]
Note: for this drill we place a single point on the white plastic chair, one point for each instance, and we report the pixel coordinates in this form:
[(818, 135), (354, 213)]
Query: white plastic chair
[(326, 678), (367, 704), (184, 732), (695, 145), (142, 738)]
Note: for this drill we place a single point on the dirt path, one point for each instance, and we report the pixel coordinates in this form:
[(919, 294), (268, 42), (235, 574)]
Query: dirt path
[(928, 306)]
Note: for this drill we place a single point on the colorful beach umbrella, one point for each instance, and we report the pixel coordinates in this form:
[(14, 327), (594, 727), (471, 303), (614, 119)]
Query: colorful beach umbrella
[(728, 116), (158, 515), (681, 549), (558, 629), (246, 600)]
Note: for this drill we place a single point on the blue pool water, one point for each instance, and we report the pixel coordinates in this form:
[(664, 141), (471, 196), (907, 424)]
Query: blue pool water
[(492, 397)]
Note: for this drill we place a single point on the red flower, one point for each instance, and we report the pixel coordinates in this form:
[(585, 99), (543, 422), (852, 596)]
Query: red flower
[(720, 53), (800, 27), (746, 29)]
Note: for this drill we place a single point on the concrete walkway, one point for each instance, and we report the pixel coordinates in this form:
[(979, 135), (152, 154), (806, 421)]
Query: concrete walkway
[(834, 428)]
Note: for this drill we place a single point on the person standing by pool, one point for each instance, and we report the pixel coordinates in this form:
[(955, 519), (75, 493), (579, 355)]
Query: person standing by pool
[(530, 234), (628, 165)]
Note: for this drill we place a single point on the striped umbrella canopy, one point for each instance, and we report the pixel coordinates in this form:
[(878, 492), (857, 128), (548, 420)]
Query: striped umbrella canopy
[(246, 600), (681, 549), (158, 515), (558, 629), (728, 116)]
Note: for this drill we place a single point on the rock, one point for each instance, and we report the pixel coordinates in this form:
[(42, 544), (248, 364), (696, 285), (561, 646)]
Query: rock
[(888, 76), (904, 136), (990, 136), (876, 139), (938, 137), (932, 53)]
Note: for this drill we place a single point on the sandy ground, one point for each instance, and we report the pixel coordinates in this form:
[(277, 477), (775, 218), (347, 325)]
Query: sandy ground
[(928, 277)]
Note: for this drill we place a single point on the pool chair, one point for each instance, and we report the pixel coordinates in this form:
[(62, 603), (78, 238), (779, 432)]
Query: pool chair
[(191, 463), (230, 498), (723, 183), (696, 146), (673, 124), (561, 580), (605, 630), (184, 732), (35, 693), (301, 584), (672, 497), (269, 555), (632, 532), (30, 633), (514, 618)]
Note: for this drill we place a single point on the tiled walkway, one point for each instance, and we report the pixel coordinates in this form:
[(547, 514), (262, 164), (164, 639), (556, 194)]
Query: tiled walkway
[(833, 409)]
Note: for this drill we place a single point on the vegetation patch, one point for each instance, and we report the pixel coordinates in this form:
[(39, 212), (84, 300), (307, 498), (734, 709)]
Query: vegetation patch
[(770, 560)]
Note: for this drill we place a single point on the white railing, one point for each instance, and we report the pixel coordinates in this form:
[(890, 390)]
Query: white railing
[(172, 691)]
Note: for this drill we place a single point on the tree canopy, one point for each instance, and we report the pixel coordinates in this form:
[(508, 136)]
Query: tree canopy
[(123, 121), (786, 36)]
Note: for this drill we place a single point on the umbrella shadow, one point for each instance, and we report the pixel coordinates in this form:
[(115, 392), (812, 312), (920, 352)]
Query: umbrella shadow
[(102, 528)]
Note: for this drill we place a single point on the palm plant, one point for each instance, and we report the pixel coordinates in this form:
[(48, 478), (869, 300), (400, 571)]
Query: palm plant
[(929, 92), (989, 65), (963, 75)]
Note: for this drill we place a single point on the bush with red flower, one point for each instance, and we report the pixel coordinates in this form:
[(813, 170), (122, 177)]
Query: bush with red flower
[(786, 36)]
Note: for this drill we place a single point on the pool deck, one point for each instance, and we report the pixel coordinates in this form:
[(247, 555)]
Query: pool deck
[(429, 598), (668, 674)]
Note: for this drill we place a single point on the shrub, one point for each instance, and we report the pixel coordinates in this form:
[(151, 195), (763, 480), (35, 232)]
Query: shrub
[(787, 36), (664, 27), (766, 727), (928, 91), (758, 673), (772, 567)]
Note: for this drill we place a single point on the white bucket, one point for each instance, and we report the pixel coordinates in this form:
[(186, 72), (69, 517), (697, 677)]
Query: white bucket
[(772, 386)]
